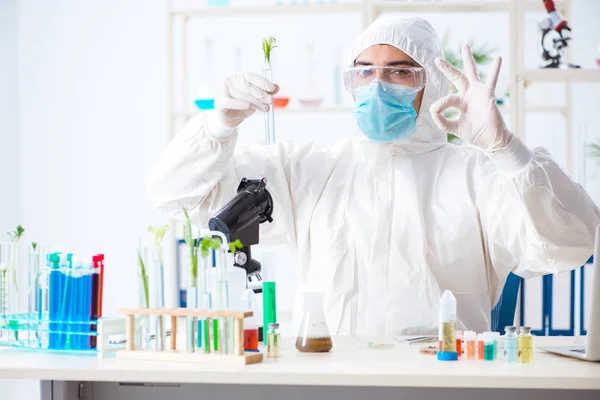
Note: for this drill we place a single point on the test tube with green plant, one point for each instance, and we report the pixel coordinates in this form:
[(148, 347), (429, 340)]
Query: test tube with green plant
[(143, 276), (192, 289), (158, 272), (9, 289), (268, 44), (157, 283), (207, 245)]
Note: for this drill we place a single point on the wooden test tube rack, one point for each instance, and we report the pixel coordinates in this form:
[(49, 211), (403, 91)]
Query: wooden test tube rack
[(237, 356)]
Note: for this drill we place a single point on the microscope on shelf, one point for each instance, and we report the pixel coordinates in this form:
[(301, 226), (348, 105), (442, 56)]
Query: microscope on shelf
[(553, 41), (240, 219)]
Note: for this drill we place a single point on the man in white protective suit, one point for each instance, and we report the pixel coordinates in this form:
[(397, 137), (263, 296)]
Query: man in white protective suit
[(385, 222)]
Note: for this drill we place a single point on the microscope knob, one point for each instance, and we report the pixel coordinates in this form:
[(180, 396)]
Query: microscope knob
[(240, 258)]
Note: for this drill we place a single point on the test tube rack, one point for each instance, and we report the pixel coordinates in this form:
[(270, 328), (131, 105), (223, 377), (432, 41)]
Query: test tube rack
[(172, 353), (40, 333)]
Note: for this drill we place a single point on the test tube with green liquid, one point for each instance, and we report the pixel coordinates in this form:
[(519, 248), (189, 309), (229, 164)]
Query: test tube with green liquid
[(269, 295)]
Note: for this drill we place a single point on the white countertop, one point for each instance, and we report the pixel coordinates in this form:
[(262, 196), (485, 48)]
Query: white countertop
[(346, 365)]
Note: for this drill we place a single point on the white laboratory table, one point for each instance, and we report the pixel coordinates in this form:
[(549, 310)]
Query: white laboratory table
[(348, 372)]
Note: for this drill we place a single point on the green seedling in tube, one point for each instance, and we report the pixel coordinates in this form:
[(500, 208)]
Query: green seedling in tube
[(144, 276), (14, 238), (268, 44)]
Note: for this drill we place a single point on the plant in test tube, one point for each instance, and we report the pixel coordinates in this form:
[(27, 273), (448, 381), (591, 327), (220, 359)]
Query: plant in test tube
[(144, 277), (193, 246), (159, 233), (14, 238), (268, 44)]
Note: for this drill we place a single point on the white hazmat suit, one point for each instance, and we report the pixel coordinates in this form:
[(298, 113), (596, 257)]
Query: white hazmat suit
[(383, 229)]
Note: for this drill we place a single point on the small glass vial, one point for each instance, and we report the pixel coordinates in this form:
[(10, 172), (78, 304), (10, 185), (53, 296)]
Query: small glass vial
[(459, 340), (525, 344), (488, 346), (273, 339), (480, 347), (510, 345), (496, 336), (471, 345)]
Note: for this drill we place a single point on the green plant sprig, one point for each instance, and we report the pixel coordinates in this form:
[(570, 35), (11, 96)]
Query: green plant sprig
[(16, 235), (594, 150), (233, 246), (268, 44), (33, 245), (193, 246), (207, 244), (144, 276), (159, 233)]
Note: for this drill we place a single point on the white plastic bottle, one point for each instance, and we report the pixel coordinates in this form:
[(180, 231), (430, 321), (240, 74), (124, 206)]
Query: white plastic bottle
[(447, 327)]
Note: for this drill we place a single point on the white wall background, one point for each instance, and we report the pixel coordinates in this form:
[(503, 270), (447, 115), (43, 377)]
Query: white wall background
[(9, 119), (83, 83)]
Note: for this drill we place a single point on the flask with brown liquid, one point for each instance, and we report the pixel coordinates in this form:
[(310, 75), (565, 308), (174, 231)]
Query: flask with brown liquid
[(314, 334)]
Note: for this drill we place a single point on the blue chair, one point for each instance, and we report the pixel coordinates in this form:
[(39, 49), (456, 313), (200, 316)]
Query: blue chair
[(503, 314)]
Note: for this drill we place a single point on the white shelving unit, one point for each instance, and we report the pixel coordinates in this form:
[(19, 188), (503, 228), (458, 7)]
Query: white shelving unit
[(368, 10)]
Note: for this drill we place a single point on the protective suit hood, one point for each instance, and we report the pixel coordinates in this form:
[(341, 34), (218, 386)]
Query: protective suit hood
[(417, 38)]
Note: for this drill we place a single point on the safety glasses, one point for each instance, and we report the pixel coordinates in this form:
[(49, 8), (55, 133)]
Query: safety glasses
[(409, 77)]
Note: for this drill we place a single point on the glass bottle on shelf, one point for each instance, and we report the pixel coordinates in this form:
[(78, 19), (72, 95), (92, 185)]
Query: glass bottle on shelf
[(205, 98), (312, 97)]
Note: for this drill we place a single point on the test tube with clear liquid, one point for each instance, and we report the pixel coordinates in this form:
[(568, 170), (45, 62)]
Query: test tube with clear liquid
[(205, 300), (224, 328), (269, 115)]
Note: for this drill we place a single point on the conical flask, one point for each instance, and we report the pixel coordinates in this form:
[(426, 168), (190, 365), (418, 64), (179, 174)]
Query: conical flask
[(314, 334)]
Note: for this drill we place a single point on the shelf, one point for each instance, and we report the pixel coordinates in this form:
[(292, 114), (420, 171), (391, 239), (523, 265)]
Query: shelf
[(456, 6), (550, 109), (441, 6), (560, 75), (378, 6), (347, 109), (285, 111), (263, 10)]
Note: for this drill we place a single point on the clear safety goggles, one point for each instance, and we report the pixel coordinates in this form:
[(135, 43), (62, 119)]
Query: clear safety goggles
[(412, 78)]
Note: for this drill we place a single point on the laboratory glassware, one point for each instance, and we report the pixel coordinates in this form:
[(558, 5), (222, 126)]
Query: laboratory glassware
[(312, 98), (511, 355), (496, 336), (447, 327), (488, 346), (459, 338), (269, 291), (525, 345), (480, 347), (269, 115), (470, 345), (205, 99), (313, 336), (9, 295), (273, 340), (337, 76), (250, 324)]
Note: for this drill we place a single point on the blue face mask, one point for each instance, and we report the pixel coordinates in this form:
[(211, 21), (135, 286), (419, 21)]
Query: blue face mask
[(385, 112)]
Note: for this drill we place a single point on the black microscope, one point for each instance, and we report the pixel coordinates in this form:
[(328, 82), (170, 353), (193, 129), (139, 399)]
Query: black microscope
[(240, 219)]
